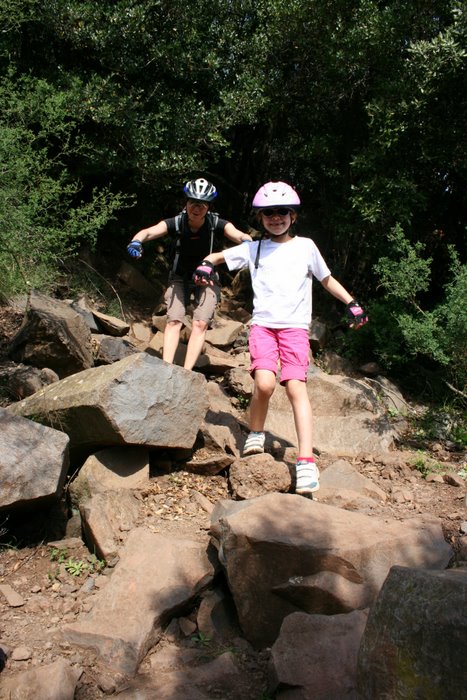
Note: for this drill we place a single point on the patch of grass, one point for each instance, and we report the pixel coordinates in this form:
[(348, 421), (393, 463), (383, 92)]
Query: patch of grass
[(175, 479), (201, 639), (425, 465), (459, 433), (96, 564), (73, 566), (442, 423), (58, 555), (243, 401)]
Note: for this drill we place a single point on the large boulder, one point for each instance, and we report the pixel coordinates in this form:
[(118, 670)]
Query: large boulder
[(415, 641), (33, 461), (156, 577), (53, 335), (139, 400), (347, 416), (303, 555)]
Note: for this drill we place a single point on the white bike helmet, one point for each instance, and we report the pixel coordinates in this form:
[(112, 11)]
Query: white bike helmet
[(201, 190)]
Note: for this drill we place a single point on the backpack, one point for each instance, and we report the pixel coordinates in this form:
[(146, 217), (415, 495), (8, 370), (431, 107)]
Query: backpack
[(212, 218)]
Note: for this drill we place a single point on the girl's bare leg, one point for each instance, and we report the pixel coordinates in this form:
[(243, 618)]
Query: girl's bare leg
[(265, 383), (303, 417)]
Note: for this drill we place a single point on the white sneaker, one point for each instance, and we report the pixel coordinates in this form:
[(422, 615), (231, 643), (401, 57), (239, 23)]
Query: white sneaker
[(307, 477), (254, 444)]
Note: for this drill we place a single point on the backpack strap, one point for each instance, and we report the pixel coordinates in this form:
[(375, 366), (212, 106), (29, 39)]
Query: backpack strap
[(258, 253), (213, 220), (179, 221)]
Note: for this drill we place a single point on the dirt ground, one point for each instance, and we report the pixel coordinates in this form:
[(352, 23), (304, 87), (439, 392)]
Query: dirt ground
[(54, 584)]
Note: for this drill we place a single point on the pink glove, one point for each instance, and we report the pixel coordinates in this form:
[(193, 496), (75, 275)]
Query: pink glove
[(355, 315)]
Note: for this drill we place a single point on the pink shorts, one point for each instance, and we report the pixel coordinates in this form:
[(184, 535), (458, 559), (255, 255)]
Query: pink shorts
[(290, 346)]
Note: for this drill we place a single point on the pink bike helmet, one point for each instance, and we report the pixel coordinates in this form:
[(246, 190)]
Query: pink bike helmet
[(276, 194)]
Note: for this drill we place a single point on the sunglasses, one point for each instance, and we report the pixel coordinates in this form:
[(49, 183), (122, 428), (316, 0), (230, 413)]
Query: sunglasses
[(275, 212)]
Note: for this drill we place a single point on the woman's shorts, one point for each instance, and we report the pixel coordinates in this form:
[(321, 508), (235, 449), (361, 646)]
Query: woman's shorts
[(289, 346), (180, 294)]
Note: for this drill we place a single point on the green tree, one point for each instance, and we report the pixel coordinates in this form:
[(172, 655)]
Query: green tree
[(43, 219), (403, 333), (360, 104)]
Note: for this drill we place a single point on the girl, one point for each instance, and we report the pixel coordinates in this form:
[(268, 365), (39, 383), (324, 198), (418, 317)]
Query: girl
[(281, 266)]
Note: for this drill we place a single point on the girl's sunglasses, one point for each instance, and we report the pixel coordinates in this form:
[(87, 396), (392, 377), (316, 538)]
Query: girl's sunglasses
[(275, 212)]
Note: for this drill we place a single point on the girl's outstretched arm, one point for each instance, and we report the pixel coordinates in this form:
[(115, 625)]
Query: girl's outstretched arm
[(356, 316), (335, 288)]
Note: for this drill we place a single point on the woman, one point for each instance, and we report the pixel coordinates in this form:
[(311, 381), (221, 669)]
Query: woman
[(194, 232)]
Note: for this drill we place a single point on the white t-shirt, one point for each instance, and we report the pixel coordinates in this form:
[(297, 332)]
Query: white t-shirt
[(282, 282)]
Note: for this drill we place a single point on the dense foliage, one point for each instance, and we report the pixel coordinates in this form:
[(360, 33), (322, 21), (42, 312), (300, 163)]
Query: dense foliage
[(107, 107)]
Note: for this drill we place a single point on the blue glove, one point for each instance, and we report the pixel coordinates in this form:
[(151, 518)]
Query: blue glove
[(135, 249), (205, 274), (355, 315)]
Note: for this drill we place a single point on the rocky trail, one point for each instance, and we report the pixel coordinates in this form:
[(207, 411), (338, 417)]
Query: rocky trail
[(48, 576)]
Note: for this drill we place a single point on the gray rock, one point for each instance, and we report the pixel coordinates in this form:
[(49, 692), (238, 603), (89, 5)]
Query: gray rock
[(111, 469), (55, 681), (33, 461), (108, 349), (257, 475), (53, 335), (347, 416), (341, 475), (415, 641), (140, 400), (111, 324), (106, 520), (224, 332), (23, 380), (155, 577), (315, 656), (283, 541)]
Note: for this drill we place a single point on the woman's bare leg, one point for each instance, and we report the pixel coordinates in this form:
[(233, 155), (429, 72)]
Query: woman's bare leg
[(195, 343), (171, 340)]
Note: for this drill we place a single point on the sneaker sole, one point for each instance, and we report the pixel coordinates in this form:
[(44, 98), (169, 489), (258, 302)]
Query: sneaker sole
[(306, 495), (306, 490)]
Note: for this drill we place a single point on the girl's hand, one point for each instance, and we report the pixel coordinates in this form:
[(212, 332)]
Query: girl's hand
[(355, 315), (205, 274)]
